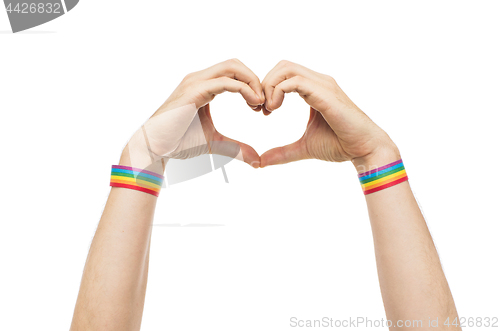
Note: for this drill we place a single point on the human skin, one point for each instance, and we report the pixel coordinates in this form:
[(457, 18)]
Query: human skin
[(412, 282), (113, 285), (411, 278)]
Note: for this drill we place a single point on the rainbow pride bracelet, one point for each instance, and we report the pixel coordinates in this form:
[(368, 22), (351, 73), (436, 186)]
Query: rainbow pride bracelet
[(381, 178), (136, 179)]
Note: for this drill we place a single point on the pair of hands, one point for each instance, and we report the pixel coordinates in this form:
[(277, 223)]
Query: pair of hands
[(337, 129)]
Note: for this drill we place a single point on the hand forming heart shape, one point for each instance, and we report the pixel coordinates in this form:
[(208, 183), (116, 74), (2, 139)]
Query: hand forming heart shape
[(337, 129)]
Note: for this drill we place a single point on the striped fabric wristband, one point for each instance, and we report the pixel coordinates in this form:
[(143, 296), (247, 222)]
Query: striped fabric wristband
[(136, 179), (381, 178)]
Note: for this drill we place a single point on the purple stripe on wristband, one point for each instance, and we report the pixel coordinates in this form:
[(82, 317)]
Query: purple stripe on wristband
[(139, 170), (381, 168)]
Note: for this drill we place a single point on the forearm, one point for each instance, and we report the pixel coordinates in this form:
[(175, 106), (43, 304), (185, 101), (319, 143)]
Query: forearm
[(412, 281), (114, 280)]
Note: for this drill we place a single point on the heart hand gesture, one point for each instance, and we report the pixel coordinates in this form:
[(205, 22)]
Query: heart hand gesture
[(337, 129)]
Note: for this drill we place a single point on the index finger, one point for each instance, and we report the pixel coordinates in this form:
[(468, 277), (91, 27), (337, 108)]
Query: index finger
[(283, 71), (236, 70)]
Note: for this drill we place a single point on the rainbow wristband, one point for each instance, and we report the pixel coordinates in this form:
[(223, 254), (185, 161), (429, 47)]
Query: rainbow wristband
[(381, 178), (136, 179)]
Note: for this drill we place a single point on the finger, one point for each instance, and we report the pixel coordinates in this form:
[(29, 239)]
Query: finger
[(285, 154), (273, 71), (223, 145), (299, 84), (312, 114), (255, 108), (207, 112), (236, 70), (282, 71), (267, 88), (207, 123), (215, 86)]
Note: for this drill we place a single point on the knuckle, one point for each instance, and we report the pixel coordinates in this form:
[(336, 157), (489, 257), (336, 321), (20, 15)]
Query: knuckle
[(330, 79), (299, 80), (231, 64), (225, 81), (285, 63), (188, 78)]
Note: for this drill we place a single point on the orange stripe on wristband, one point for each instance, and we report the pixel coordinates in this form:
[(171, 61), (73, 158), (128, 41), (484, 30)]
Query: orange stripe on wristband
[(384, 180), (132, 181), (136, 179), (379, 188)]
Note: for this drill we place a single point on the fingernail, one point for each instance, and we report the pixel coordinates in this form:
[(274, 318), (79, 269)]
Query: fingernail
[(255, 164), (268, 104), (254, 107)]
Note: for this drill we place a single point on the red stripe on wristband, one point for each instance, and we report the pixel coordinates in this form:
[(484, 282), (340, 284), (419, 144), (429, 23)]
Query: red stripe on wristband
[(379, 188), (136, 179), (137, 188)]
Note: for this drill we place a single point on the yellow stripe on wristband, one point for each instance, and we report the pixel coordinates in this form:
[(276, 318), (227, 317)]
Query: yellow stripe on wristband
[(134, 181), (384, 180), (384, 177)]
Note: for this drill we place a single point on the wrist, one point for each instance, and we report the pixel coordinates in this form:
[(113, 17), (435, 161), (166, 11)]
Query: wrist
[(382, 155), (141, 158)]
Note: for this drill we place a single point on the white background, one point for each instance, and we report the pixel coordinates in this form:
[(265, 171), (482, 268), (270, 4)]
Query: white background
[(294, 240)]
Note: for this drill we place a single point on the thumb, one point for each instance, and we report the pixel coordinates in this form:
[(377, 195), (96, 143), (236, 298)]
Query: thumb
[(222, 145), (285, 154), (225, 146)]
